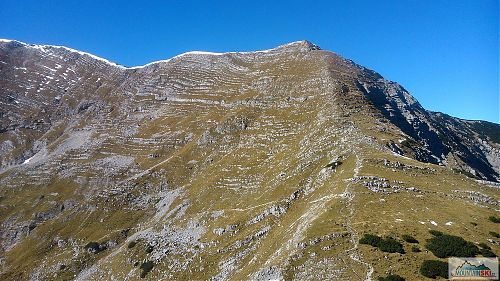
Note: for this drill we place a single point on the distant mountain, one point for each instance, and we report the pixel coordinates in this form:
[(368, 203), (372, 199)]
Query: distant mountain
[(226, 166), (469, 266)]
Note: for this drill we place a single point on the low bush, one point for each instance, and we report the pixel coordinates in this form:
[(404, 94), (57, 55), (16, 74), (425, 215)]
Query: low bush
[(370, 239), (146, 268), (484, 246), (434, 268), (94, 247), (444, 245), (487, 253), (494, 219), (415, 249), (388, 244), (409, 239), (494, 234), (435, 232), (392, 277), (131, 244)]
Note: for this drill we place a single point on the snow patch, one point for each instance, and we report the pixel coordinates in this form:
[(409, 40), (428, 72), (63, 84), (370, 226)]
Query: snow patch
[(433, 223), (28, 160)]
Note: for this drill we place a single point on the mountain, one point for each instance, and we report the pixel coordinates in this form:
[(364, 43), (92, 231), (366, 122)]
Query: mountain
[(227, 166), (469, 266)]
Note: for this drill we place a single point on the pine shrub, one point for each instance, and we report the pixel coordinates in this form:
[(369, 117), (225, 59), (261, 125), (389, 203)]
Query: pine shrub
[(409, 239), (388, 244), (146, 268), (434, 268), (494, 219), (445, 245)]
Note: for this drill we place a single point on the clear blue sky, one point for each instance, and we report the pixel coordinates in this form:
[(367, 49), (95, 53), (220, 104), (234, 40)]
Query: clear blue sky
[(446, 53)]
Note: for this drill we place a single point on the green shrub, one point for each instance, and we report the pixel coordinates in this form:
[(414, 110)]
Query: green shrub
[(494, 219), (445, 245), (409, 239), (392, 277), (435, 232), (484, 246), (494, 234), (415, 249), (466, 173), (370, 239), (433, 269), (487, 253), (388, 244), (131, 244), (146, 268), (94, 247)]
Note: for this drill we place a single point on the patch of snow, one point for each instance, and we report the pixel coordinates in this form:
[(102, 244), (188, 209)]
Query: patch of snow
[(421, 222), (90, 55), (148, 64), (201, 53), (434, 223), (27, 160), (449, 223), (399, 155), (50, 69)]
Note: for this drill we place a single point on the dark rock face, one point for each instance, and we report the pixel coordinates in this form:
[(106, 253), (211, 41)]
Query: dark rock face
[(432, 136)]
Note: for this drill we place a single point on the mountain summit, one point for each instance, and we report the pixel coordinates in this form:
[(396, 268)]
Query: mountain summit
[(226, 166)]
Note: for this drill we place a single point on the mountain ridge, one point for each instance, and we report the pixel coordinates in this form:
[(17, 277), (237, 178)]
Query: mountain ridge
[(227, 167), (306, 43), (300, 43)]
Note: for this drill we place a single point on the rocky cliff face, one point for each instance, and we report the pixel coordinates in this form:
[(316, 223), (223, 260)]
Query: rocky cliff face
[(229, 166)]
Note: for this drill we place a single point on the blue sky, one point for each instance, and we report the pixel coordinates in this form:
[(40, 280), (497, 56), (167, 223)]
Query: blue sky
[(446, 53)]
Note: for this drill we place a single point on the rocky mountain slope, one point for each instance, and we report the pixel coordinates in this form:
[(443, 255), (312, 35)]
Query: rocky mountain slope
[(235, 166)]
